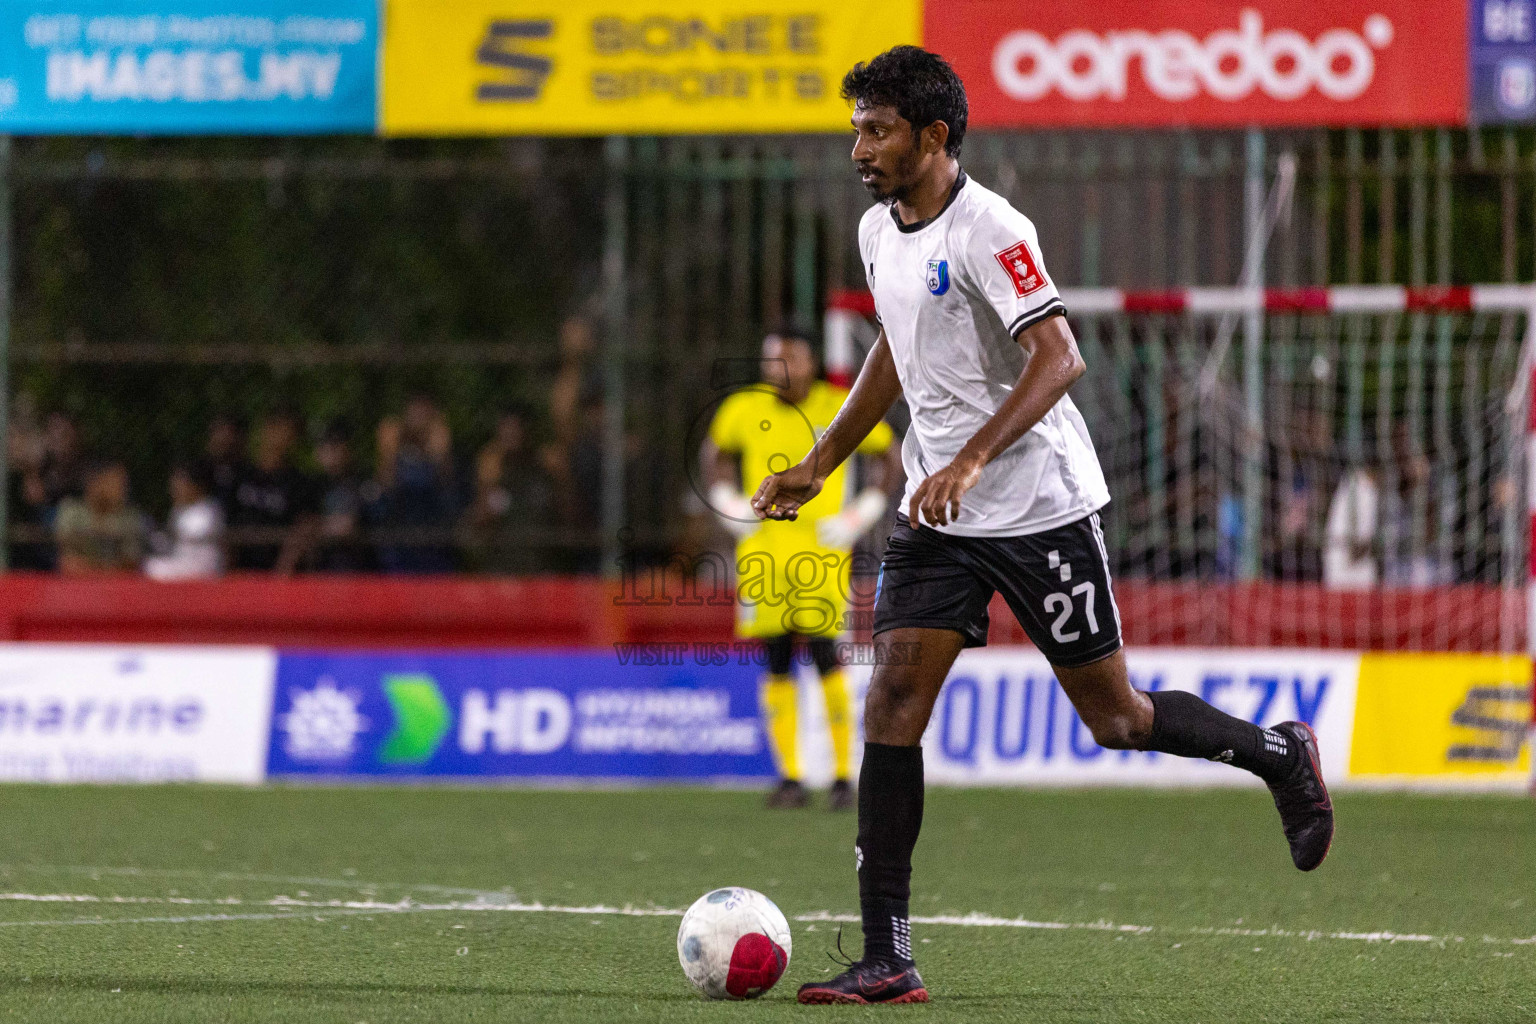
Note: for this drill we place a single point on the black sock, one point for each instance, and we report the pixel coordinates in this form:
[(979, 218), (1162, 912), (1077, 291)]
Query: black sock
[(890, 816), (1187, 726)]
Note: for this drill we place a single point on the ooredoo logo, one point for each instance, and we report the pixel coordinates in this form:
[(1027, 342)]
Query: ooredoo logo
[(1228, 64)]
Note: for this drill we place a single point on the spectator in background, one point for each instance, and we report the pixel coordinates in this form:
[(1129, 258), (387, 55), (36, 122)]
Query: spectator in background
[(1349, 553), (195, 545), (100, 531), (61, 471), (578, 381), (50, 467), (341, 547), (1300, 478), (1414, 519), (275, 502), (1384, 524), (226, 459), (31, 519), (581, 479), (417, 498), (514, 490)]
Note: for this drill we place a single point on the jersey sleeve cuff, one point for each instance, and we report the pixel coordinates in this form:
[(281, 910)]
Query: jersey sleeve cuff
[(1027, 320)]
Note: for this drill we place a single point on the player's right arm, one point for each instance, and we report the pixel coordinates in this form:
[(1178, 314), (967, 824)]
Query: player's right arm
[(780, 496), (720, 458)]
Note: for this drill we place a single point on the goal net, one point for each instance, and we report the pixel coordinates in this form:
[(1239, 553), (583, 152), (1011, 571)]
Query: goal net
[(1336, 468)]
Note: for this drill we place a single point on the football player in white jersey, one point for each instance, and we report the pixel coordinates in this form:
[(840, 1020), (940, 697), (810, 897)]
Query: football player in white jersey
[(1003, 495)]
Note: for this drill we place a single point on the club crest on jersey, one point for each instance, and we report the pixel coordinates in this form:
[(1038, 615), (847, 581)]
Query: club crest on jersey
[(938, 276), (1022, 270)]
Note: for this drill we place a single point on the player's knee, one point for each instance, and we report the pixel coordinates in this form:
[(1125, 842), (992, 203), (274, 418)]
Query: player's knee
[(889, 707), (1118, 730)]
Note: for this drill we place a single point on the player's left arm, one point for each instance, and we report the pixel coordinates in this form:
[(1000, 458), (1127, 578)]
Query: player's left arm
[(1054, 365)]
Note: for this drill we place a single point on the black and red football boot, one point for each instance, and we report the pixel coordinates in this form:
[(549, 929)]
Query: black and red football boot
[(868, 981), (1306, 812)]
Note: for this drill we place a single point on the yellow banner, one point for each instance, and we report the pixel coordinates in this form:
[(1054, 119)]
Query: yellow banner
[(1457, 716), (578, 67)]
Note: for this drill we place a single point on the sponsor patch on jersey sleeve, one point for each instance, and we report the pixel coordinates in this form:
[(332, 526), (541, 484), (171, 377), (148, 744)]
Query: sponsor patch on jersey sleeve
[(1022, 269)]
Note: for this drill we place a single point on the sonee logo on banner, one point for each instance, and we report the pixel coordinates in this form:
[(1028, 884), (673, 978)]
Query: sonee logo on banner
[(499, 49)]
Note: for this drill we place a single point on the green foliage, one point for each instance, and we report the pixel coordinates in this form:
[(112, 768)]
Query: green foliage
[(306, 246)]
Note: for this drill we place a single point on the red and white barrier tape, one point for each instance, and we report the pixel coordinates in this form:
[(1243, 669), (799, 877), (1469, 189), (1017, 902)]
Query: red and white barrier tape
[(1490, 298), (1342, 299), (846, 308)]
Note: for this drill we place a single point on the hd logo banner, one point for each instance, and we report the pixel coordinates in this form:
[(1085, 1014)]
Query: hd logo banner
[(188, 66), (587, 68), (574, 715)]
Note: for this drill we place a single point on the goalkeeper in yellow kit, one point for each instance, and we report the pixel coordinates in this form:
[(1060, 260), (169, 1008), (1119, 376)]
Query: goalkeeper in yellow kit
[(793, 577)]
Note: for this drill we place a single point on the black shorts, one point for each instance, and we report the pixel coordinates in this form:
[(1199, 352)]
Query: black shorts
[(1056, 582)]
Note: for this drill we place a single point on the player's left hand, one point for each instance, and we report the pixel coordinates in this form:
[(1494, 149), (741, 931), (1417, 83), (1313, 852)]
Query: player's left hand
[(937, 499)]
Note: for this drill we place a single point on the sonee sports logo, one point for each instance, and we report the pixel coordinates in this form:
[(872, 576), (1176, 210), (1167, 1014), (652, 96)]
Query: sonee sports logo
[(528, 71)]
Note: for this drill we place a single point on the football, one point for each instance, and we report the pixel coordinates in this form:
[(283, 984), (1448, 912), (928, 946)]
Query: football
[(733, 944)]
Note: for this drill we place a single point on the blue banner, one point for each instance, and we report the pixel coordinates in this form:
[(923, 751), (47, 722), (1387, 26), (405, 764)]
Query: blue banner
[(535, 715), (1503, 61), (188, 66)]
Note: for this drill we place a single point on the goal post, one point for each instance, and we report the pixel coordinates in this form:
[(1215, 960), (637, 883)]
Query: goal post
[(1395, 462)]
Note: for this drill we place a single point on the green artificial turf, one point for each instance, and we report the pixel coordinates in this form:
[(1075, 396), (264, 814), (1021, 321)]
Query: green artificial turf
[(1196, 874)]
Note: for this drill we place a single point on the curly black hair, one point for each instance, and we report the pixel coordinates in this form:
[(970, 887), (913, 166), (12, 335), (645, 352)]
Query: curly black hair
[(920, 85)]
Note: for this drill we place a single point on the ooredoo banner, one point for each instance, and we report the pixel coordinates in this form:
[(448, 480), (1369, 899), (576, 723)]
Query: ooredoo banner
[(101, 713), (1204, 62)]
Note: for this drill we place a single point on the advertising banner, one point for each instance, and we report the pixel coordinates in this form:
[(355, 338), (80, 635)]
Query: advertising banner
[(588, 68), (188, 66), (1503, 60), (107, 713), (569, 715), (1206, 62), (100, 713), (1003, 719), (1443, 718)]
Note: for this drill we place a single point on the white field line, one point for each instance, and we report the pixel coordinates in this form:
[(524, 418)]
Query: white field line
[(354, 884), (183, 919), (298, 908)]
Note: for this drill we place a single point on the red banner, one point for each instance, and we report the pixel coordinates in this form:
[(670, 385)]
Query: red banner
[(1201, 62)]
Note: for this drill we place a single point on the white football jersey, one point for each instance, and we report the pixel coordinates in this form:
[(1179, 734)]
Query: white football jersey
[(952, 293)]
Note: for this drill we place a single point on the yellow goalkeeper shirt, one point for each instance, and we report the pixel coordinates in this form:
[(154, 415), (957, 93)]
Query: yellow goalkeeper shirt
[(771, 435)]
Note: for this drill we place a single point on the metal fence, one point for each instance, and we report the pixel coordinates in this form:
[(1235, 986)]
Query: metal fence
[(159, 283)]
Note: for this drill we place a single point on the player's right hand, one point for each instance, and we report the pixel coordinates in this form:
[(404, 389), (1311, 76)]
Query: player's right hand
[(781, 495), (734, 510)]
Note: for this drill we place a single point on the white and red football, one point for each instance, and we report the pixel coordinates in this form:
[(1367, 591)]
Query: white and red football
[(733, 944)]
